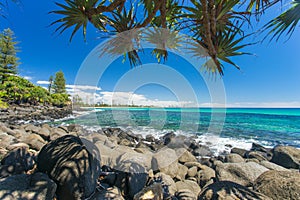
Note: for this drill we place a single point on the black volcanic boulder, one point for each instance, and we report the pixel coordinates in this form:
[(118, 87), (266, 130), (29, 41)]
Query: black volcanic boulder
[(70, 163)]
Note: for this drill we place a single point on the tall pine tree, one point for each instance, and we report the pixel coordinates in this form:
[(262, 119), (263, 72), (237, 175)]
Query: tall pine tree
[(8, 54), (59, 84)]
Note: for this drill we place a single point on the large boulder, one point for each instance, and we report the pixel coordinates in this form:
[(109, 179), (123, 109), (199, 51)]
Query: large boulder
[(140, 158), (70, 163), (17, 161), (230, 191), (242, 173), (205, 175), (272, 166), (241, 152), (182, 172), (167, 180), (190, 185), (234, 158), (286, 156), (165, 161), (185, 156), (6, 140), (279, 184), (34, 141), (34, 187), (133, 174)]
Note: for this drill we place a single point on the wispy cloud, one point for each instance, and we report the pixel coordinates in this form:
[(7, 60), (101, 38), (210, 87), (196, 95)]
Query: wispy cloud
[(129, 98), (83, 87), (42, 82), (27, 77), (93, 94)]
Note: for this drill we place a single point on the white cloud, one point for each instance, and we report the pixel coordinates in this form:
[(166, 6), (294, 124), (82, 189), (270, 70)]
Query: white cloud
[(129, 98), (83, 87), (42, 82), (27, 77)]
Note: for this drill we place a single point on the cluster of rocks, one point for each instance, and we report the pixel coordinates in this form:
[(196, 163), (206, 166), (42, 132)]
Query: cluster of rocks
[(68, 162), (16, 113)]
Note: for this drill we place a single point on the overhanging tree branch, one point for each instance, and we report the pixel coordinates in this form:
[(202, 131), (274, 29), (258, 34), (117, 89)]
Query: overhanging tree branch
[(151, 15)]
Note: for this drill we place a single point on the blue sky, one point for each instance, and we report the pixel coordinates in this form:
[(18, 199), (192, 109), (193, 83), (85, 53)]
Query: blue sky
[(271, 78)]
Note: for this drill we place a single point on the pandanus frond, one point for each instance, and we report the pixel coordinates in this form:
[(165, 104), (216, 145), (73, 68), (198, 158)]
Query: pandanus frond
[(284, 23), (77, 14)]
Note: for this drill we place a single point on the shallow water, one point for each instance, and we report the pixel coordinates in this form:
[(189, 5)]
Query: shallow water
[(238, 127)]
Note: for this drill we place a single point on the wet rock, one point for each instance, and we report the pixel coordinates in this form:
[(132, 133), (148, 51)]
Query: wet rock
[(168, 137), (286, 156), (229, 190), (71, 165), (279, 184), (153, 192), (241, 173), (150, 138), (234, 158), (165, 161), (202, 151), (34, 187), (260, 148), (129, 136), (126, 142)]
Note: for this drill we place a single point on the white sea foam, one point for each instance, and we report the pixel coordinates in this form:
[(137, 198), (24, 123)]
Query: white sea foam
[(217, 144)]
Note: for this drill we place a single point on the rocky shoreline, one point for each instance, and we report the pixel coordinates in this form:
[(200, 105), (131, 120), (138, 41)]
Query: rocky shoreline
[(69, 162), (16, 114)]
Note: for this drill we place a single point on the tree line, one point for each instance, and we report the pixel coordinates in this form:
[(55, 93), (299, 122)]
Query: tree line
[(17, 90)]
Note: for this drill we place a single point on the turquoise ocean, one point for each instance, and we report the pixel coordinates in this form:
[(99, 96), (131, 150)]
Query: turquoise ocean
[(219, 128)]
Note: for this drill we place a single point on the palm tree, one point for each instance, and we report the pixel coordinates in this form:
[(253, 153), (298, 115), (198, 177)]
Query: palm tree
[(215, 25)]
